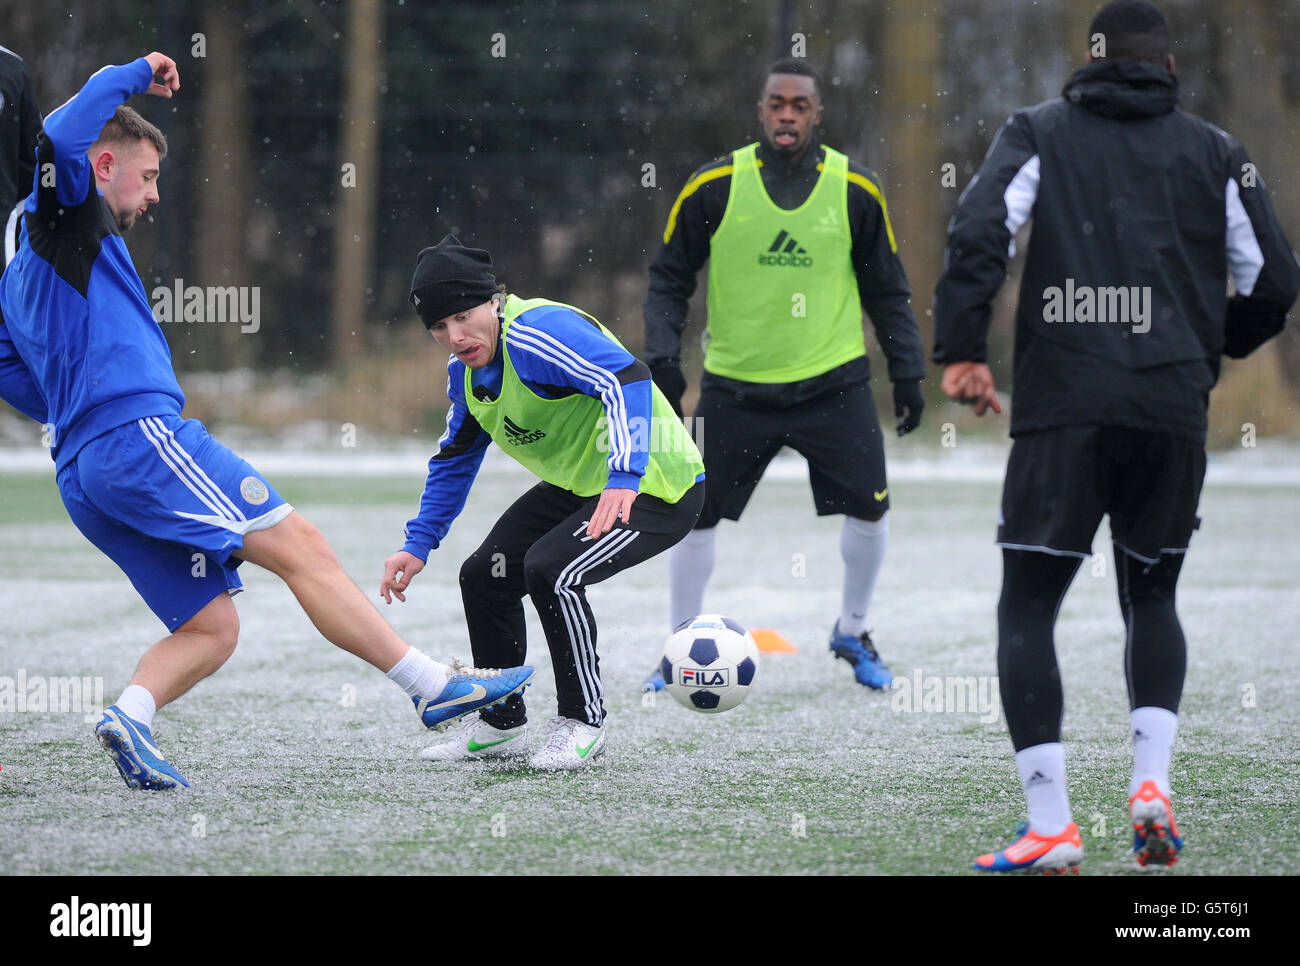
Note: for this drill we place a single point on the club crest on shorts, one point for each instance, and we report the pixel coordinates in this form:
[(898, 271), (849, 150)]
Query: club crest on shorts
[(253, 491)]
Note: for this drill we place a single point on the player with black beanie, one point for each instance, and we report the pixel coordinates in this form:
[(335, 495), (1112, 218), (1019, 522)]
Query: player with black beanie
[(1139, 211), (621, 482)]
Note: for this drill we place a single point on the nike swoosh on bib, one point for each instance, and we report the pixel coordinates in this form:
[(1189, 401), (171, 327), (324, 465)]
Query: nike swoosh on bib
[(880, 494)]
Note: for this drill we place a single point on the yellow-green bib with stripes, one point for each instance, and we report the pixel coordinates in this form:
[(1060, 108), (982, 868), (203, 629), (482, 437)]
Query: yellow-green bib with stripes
[(567, 441), (783, 297)]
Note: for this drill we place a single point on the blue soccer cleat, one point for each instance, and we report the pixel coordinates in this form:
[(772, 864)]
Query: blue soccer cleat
[(868, 668), (138, 760), (654, 680), (1041, 853), (470, 689)]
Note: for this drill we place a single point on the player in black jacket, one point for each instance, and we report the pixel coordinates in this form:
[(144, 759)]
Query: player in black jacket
[(799, 242), (20, 124), (1139, 210)]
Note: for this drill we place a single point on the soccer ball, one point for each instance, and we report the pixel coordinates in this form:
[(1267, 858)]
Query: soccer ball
[(709, 663)]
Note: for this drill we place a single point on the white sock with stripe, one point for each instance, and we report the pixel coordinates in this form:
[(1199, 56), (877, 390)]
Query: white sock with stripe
[(1042, 776), (1154, 730), (690, 565), (138, 704), (862, 545), (419, 675)]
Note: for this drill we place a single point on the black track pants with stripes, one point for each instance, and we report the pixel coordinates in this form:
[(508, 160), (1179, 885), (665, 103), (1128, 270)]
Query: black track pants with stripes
[(540, 548)]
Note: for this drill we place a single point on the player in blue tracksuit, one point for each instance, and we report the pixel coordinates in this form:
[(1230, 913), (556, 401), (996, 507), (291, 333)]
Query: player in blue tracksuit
[(178, 512)]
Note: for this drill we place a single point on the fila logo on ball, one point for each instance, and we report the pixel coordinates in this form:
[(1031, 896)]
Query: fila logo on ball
[(698, 677)]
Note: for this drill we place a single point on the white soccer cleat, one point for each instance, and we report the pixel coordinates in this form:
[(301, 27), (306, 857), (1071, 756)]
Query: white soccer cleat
[(570, 744), (476, 740)]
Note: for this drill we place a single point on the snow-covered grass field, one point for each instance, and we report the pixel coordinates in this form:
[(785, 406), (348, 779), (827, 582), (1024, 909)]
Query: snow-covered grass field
[(303, 759)]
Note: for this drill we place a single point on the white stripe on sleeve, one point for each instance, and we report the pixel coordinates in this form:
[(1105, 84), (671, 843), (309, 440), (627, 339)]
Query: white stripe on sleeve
[(12, 233), (611, 392), (1245, 257), (1019, 198)]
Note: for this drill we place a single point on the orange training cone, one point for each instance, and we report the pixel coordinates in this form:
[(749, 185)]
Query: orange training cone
[(772, 642)]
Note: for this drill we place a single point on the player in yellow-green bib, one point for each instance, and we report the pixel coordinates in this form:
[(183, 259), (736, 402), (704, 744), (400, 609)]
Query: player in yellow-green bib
[(798, 242), (621, 480)]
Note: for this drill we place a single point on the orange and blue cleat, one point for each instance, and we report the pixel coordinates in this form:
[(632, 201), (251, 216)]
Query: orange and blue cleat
[(1155, 833), (1042, 853)]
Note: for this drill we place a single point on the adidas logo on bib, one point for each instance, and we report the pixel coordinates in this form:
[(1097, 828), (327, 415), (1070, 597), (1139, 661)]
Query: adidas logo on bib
[(519, 436), (784, 250)]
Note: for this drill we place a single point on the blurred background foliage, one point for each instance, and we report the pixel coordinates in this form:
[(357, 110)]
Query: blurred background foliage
[(316, 147)]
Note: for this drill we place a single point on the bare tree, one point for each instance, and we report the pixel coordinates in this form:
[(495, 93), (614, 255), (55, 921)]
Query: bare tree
[(359, 135), (223, 190)]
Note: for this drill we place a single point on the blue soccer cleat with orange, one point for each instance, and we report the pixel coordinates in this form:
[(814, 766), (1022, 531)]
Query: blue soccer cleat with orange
[(1041, 853), (1155, 833), (470, 689)]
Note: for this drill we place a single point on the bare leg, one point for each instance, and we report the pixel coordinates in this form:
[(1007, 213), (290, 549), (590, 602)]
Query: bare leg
[(296, 552), (190, 653)]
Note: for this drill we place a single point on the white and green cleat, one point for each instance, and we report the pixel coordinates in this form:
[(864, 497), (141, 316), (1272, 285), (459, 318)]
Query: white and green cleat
[(570, 744), (476, 740)]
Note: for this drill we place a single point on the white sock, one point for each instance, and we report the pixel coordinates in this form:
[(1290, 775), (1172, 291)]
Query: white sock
[(690, 565), (1154, 730), (1042, 775), (138, 704), (419, 675), (862, 545)]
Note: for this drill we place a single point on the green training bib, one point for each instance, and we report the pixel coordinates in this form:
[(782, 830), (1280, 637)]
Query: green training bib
[(783, 298), (566, 441)]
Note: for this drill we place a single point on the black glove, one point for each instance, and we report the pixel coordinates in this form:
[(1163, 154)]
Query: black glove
[(908, 403), (668, 377), (1249, 325)]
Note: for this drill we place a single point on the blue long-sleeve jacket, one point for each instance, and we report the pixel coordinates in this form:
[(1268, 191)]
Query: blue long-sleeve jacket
[(79, 346), (611, 374)]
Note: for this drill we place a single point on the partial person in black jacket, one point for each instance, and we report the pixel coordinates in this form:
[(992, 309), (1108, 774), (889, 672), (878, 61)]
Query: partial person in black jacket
[(20, 125), (799, 243), (1139, 212)]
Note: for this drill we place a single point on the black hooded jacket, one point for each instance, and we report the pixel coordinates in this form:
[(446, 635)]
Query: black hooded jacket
[(1140, 212)]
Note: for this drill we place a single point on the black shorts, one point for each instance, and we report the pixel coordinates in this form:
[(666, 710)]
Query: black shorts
[(838, 434), (1061, 481)]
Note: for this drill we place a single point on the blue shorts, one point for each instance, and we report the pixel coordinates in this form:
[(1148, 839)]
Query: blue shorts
[(169, 505)]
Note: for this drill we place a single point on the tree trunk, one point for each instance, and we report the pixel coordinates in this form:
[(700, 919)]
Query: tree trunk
[(910, 56), (358, 174), (224, 149)]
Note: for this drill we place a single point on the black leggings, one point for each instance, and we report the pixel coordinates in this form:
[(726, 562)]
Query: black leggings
[(539, 548), (1033, 585)]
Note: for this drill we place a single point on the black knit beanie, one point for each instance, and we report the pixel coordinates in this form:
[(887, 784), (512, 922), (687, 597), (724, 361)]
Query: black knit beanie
[(450, 278)]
